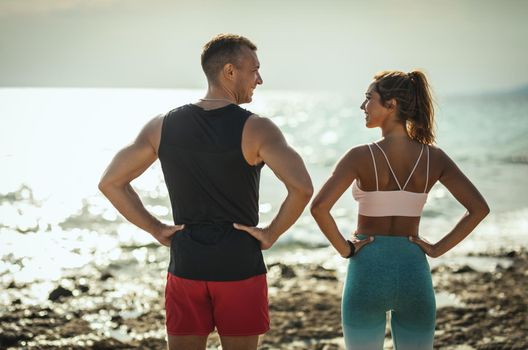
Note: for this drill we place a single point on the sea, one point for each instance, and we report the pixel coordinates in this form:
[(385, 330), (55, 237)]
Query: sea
[(56, 142)]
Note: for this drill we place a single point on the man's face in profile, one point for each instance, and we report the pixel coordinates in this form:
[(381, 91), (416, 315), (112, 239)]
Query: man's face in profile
[(248, 76)]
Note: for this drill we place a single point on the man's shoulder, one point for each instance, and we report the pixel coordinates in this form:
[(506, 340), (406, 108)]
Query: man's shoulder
[(154, 125), (262, 130), (178, 110), (261, 124)]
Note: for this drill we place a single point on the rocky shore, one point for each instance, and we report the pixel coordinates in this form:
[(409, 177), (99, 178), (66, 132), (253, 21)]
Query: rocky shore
[(105, 310)]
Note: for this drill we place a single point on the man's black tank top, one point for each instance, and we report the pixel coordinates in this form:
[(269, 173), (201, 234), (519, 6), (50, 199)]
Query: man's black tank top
[(210, 186)]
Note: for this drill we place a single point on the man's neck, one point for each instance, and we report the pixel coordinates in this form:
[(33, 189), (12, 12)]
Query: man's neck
[(217, 94)]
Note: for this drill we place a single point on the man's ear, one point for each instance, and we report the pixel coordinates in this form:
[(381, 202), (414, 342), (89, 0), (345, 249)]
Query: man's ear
[(228, 71)]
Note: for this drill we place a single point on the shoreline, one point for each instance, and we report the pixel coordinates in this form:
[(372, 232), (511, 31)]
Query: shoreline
[(109, 309)]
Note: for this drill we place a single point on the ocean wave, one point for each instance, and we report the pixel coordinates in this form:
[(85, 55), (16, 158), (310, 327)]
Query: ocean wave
[(23, 194), (516, 159), (92, 217)]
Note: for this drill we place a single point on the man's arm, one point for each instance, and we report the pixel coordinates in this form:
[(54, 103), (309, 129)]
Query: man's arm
[(128, 164), (266, 143)]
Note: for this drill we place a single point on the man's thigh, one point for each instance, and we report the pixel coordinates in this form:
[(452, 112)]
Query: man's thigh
[(240, 307), (188, 307), (187, 342), (239, 343)]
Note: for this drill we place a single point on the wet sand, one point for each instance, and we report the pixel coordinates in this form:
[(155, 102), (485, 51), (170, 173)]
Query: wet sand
[(95, 309)]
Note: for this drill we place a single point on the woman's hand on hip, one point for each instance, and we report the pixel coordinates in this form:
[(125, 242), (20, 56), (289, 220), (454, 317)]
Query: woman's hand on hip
[(358, 244), (428, 248)]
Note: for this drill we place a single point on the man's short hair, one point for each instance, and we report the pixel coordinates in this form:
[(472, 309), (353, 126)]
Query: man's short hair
[(221, 50)]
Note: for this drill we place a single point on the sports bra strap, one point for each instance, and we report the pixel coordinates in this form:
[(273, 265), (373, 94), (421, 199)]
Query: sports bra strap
[(392, 171), (415, 165), (388, 163), (427, 175), (375, 168)]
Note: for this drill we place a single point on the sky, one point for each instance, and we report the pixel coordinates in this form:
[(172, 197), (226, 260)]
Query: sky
[(465, 46)]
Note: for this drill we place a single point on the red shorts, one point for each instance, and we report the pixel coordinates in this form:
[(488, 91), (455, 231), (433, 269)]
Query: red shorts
[(235, 308)]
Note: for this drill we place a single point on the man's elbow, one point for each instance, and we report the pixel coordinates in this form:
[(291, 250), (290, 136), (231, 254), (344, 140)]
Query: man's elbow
[(301, 191), (305, 193), (301, 195), (104, 186)]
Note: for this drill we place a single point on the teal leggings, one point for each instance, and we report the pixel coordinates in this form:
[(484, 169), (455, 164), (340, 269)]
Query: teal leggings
[(389, 274)]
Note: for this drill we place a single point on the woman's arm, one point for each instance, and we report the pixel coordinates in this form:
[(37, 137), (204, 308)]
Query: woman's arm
[(340, 180), (466, 194)]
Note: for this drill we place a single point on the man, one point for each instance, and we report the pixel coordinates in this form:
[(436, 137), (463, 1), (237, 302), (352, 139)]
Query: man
[(211, 153)]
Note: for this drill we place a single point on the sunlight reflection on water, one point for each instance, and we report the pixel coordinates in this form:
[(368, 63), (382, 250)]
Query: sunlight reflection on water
[(57, 142)]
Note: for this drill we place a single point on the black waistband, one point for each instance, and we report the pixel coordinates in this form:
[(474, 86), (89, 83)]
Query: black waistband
[(215, 252)]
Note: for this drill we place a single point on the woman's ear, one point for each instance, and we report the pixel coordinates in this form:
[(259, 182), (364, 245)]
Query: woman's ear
[(391, 104)]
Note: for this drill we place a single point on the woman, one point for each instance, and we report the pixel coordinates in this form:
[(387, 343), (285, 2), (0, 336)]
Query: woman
[(390, 180)]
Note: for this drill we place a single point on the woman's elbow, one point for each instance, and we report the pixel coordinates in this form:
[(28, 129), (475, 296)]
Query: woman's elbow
[(317, 208), (481, 211), (485, 210)]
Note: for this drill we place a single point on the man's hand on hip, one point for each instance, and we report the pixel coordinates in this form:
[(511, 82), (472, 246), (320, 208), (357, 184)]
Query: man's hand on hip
[(263, 235), (166, 232)]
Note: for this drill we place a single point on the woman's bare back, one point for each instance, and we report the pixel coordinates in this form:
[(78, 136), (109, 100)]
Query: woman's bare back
[(403, 155)]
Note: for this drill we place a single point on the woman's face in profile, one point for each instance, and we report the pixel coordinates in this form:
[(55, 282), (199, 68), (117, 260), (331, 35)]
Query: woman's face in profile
[(375, 111)]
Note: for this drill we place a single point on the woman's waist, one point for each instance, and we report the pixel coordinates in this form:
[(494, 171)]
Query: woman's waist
[(366, 234), (388, 226), (389, 247)]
